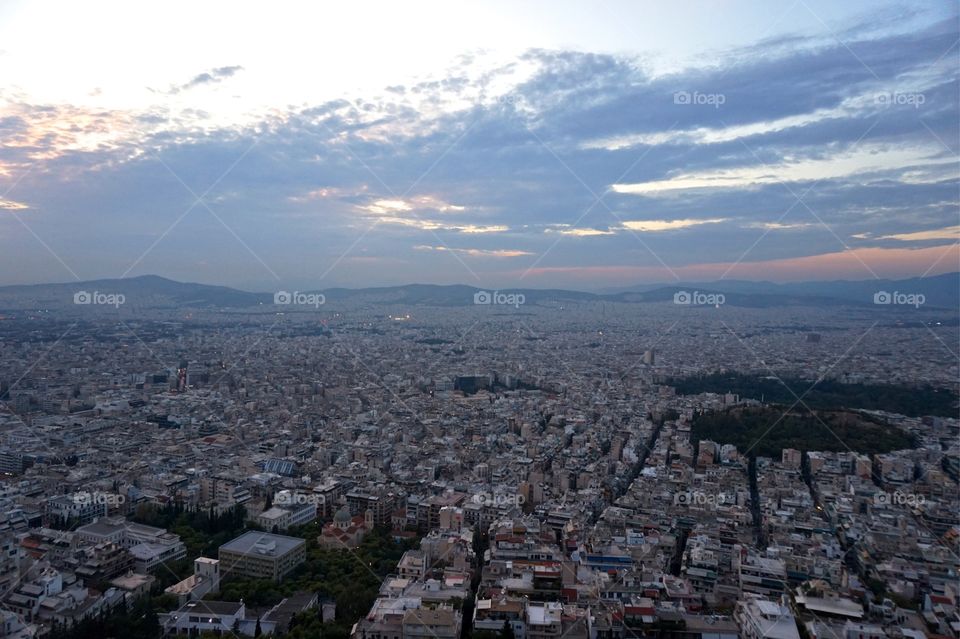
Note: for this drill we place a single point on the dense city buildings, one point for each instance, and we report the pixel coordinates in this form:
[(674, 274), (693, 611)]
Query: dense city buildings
[(480, 320), (540, 469)]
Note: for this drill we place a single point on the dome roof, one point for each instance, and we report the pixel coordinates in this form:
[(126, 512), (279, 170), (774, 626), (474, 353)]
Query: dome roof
[(342, 516)]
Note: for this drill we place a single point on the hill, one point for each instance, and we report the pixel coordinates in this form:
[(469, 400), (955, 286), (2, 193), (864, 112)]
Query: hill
[(148, 291), (767, 430)]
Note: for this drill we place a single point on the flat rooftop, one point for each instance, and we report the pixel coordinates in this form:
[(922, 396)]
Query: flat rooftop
[(99, 528), (261, 543), (220, 608)]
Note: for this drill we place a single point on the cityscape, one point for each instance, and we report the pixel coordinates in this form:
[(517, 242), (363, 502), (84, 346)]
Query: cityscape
[(546, 321)]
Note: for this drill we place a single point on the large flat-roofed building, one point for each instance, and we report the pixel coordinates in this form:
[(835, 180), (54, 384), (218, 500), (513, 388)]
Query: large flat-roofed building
[(150, 547), (64, 509), (259, 555), (287, 511), (381, 502)]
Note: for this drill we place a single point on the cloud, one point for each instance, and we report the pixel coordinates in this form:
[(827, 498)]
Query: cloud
[(778, 226), (475, 252), (325, 193), (540, 160), (653, 226), (388, 206), (419, 203), (473, 228), (11, 205), (213, 76), (854, 265), (565, 229), (946, 233), (866, 159)]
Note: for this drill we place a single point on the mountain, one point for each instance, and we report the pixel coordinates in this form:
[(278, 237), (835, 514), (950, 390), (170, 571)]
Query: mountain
[(939, 290), (144, 290), (734, 298), (151, 291)]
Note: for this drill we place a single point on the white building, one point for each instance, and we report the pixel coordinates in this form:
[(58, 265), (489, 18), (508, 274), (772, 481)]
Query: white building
[(204, 580), (762, 619), (220, 617), (150, 546)]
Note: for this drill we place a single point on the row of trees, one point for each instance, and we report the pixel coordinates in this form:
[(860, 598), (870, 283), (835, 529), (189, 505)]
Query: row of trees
[(203, 530)]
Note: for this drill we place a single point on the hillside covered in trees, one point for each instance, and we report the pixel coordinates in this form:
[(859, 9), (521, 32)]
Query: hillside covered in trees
[(767, 430), (913, 401)]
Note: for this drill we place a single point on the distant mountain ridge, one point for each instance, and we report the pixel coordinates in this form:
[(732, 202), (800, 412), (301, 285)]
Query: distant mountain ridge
[(941, 291), (144, 286)]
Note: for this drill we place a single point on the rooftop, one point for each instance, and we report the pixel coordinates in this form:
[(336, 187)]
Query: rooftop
[(254, 542)]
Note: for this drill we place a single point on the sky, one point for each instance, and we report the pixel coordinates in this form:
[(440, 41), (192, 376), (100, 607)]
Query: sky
[(495, 144)]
